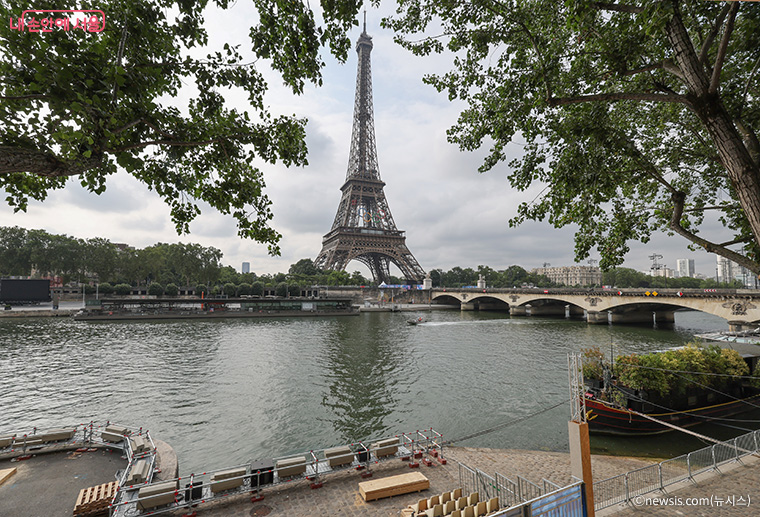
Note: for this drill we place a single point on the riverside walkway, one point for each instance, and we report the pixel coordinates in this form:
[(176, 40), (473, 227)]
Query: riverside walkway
[(710, 495), (340, 496)]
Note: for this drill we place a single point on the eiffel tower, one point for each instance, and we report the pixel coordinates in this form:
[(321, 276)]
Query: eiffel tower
[(363, 228)]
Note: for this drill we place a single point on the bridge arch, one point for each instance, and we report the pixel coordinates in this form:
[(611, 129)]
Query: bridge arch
[(739, 307)]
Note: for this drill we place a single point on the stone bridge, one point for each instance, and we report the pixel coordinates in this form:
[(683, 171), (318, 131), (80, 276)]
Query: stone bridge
[(741, 307)]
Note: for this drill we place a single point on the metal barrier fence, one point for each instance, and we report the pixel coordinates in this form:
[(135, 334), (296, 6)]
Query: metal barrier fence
[(508, 491), (561, 502), (622, 488), (147, 498), (515, 496), (18, 443)]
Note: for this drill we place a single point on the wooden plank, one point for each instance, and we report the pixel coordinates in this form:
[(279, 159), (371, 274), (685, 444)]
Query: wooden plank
[(6, 474), (95, 499), (393, 485)]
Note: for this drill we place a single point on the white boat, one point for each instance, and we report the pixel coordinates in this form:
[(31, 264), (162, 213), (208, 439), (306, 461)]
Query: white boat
[(748, 337)]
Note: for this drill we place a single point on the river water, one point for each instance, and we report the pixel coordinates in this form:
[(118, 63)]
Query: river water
[(224, 392)]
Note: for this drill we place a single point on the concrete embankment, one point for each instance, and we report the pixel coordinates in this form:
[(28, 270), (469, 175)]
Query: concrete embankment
[(40, 313)]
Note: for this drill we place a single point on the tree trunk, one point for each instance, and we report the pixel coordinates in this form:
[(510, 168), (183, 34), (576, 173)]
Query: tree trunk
[(743, 173)]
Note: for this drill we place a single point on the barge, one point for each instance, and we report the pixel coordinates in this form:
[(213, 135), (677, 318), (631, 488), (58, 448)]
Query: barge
[(114, 309)]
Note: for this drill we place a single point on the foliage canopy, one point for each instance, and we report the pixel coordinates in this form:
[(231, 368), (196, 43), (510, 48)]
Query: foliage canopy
[(81, 104), (636, 116)]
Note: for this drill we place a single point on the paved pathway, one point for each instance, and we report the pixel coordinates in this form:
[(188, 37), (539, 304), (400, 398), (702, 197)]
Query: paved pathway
[(734, 492), (48, 484), (340, 493), (712, 494)]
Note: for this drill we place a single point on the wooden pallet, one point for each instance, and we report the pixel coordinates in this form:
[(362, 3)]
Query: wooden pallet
[(94, 500), (394, 485)]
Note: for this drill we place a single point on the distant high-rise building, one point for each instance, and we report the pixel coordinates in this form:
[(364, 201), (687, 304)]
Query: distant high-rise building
[(246, 267), (726, 270), (685, 268)]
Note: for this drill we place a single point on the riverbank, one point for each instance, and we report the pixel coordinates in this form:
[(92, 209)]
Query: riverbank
[(64, 473), (406, 307), (39, 313)]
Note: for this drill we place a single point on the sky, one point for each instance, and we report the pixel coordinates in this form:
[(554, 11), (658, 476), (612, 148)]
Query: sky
[(452, 214)]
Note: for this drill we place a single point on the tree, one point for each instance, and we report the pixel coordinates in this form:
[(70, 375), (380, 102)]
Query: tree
[(304, 267), (109, 111), (122, 289), (155, 289), (14, 257), (228, 275), (171, 290), (514, 276), (100, 257), (281, 290), (637, 116)]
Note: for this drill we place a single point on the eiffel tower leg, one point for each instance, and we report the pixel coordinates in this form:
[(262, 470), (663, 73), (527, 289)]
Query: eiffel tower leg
[(382, 267)]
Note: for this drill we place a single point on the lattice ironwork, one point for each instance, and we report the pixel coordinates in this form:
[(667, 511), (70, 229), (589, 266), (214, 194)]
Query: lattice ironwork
[(577, 387), (363, 228)]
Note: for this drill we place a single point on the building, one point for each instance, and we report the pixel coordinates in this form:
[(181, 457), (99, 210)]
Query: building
[(246, 267), (685, 268), (725, 270), (662, 271), (572, 275)]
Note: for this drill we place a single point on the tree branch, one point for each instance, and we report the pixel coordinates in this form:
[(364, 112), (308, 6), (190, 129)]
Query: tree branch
[(665, 64), (713, 32), (722, 49), (42, 163), (147, 123), (24, 97), (621, 8), (735, 241), (127, 126), (719, 249), (172, 143), (619, 96), (715, 207), (746, 86)]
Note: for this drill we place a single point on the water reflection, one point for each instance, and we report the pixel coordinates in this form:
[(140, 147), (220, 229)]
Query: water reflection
[(261, 388), (364, 375)]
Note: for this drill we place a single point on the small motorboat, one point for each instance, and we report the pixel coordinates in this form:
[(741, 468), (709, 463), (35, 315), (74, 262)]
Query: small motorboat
[(415, 321)]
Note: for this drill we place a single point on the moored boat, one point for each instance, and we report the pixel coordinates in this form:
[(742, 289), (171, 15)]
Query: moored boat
[(710, 384), (604, 418), (751, 337)]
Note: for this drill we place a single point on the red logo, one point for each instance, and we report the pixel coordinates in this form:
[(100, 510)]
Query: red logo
[(89, 20)]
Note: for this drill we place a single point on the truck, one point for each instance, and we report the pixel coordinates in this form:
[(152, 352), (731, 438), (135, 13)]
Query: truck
[(24, 291)]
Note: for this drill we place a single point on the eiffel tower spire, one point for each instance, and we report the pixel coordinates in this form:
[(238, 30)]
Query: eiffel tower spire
[(363, 228)]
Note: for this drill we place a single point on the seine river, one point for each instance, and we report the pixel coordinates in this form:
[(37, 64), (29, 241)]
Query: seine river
[(224, 392)]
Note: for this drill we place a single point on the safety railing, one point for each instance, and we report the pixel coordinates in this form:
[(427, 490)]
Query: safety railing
[(624, 487), (83, 435), (507, 490), (146, 498), (510, 493), (522, 497)]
